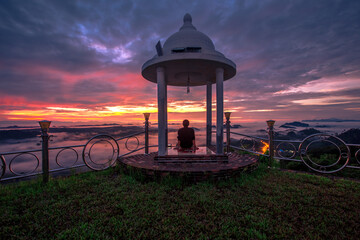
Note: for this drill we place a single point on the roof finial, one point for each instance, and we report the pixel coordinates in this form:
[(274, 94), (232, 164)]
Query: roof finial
[(187, 18), (187, 23)]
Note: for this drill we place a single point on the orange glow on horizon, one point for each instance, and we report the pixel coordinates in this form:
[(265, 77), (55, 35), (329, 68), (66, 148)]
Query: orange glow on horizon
[(110, 113), (195, 109)]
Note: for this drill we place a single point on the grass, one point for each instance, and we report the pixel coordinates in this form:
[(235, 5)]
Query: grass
[(266, 204)]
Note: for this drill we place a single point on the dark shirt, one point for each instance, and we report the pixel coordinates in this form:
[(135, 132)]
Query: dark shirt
[(186, 136)]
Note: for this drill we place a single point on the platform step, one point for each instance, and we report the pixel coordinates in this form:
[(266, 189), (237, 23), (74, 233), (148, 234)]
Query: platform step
[(192, 159)]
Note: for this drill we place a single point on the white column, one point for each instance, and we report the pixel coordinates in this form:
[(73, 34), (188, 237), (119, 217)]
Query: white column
[(161, 91), (166, 118), (208, 113), (219, 110)]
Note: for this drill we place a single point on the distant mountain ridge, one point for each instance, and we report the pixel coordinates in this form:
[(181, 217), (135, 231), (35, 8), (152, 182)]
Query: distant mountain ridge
[(294, 124), (331, 120), (84, 132), (350, 136)]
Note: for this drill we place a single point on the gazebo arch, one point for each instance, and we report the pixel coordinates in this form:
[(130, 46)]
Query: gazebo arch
[(188, 58)]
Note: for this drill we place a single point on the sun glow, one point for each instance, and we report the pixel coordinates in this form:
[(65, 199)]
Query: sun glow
[(118, 110), (111, 113)]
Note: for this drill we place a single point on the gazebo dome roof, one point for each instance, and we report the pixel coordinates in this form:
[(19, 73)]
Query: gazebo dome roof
[(189, 58), (188, 36)]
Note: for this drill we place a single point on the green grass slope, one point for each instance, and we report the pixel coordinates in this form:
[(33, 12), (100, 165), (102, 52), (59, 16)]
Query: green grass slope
[(266, 204)]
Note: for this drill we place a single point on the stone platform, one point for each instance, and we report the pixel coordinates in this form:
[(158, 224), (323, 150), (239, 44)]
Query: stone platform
[(198, 155), (191, 171)]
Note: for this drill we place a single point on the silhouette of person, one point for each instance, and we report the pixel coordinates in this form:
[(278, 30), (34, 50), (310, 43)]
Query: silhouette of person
[(186, 136)]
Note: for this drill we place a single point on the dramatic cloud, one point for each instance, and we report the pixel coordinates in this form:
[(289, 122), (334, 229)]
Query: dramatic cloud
[(295, 59)]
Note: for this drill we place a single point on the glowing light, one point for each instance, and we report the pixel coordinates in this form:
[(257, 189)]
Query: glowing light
[(265, 147)]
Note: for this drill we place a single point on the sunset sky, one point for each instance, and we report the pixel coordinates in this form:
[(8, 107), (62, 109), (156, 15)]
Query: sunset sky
[(80, 61)]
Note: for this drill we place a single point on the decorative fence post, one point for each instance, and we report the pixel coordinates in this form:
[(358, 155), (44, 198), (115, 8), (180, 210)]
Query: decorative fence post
[(227, 116), (147, 116), (45, 125), (270, 124)]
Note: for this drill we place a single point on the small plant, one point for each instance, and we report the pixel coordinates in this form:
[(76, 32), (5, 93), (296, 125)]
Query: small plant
[(264, 159)]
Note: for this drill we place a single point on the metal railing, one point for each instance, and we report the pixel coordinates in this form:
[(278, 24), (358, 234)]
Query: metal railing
[(98, 153), (250, 143), (102, 151), (323, 153)]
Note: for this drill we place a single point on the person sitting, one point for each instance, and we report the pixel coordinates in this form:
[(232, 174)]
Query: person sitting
[(186, 137)]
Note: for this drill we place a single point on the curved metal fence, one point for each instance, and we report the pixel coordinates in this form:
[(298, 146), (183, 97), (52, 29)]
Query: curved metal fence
[(98, 153), (251, 144), (322, 153)]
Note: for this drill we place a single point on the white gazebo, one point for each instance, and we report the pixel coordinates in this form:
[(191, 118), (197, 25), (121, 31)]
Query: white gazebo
[(188, 58)]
